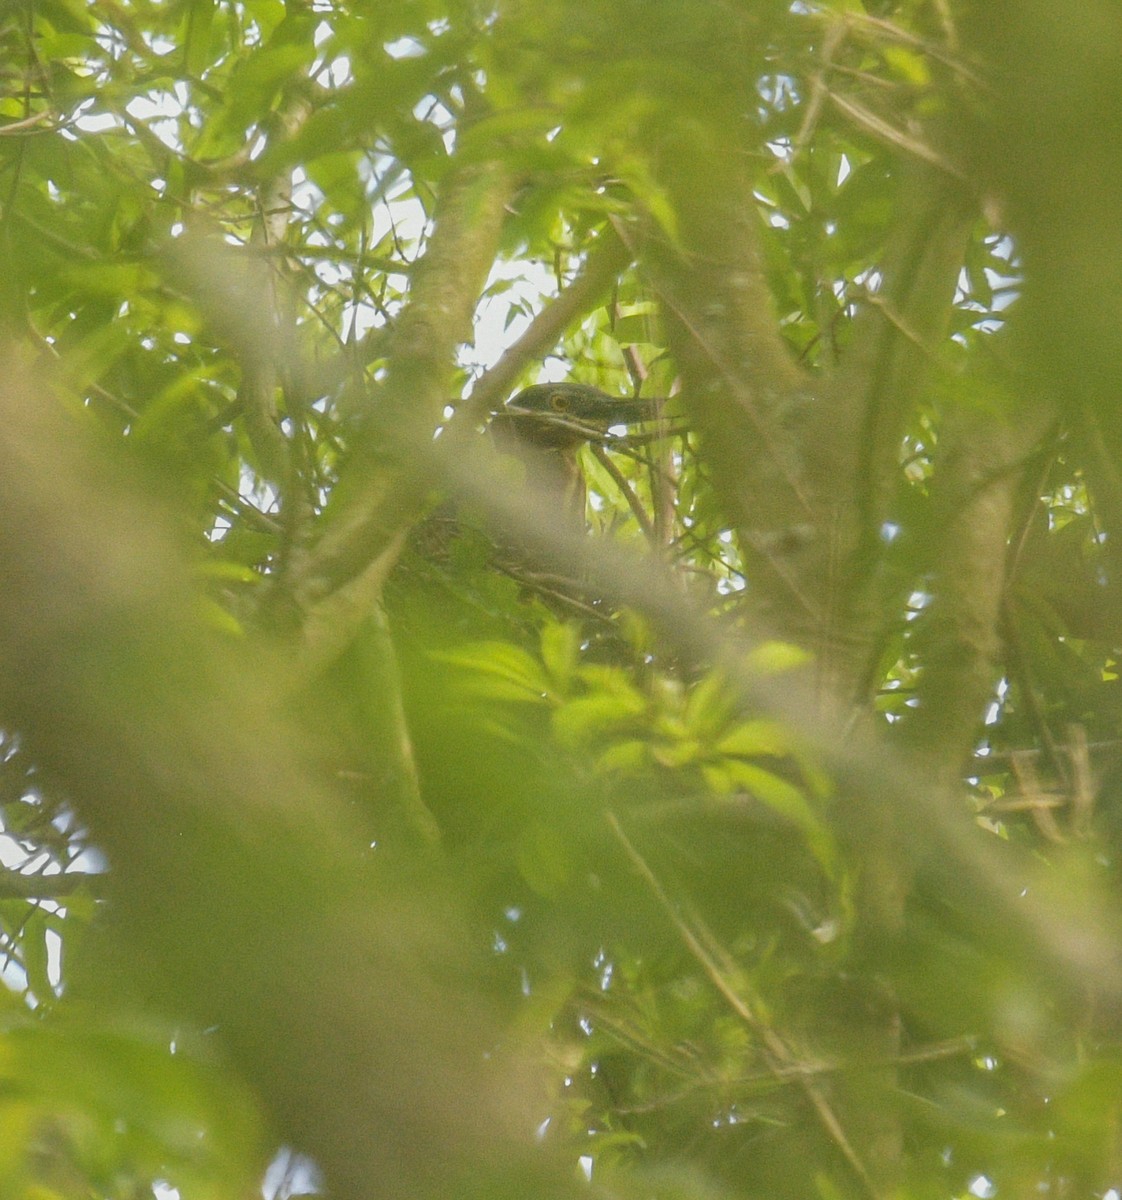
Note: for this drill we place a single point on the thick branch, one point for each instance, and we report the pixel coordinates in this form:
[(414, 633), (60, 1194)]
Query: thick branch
[(738, 377), (385, 487), (739, 382), (242, 894), (975, 491), (607, 258), (852, 436)]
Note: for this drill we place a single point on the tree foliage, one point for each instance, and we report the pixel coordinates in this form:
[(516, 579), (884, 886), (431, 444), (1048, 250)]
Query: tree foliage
[(727, 805)]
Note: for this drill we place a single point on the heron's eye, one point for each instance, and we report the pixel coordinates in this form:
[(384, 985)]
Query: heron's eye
[(559, 402)]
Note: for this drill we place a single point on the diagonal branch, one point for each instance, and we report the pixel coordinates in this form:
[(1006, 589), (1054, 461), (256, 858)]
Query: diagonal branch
[(386, 485), (608, 257), (777, 1053)]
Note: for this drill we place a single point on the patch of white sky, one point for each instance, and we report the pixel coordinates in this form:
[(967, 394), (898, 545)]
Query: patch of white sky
[(18, 858), (501, 318), (1003, 279), (982, 1187), (291, 1174), (1002, 276), (997, 705), (505, 311)]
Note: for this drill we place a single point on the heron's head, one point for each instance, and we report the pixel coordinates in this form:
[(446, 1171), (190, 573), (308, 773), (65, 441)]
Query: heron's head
[(566, 414)]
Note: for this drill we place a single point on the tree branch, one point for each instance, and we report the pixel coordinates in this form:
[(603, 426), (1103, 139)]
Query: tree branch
[(242, 893), (606, 260), (384, 487)]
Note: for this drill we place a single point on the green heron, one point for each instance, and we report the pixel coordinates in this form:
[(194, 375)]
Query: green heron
[(543, 428), (546, 424), (563, 415)]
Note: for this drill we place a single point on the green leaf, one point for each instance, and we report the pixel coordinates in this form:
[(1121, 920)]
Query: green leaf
[(751, 739), (197, 46), (588, 717), (774, 658), (500, 670), (543, 859), (629, 757), (788, 801), (708, 705), (560, 652), (35, 956)]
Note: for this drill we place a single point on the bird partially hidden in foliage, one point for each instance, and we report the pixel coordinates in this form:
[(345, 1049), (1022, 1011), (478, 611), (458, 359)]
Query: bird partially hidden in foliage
[(546, 424), (563, 415), (543, 427)]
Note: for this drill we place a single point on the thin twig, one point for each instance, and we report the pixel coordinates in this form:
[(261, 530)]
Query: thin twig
[(639, 512), (795, 1072), (28, 124), (776, 1050), (885, 131)]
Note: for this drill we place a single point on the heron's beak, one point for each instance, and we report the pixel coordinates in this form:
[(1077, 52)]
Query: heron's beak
[(630, 412), (607, 415)]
